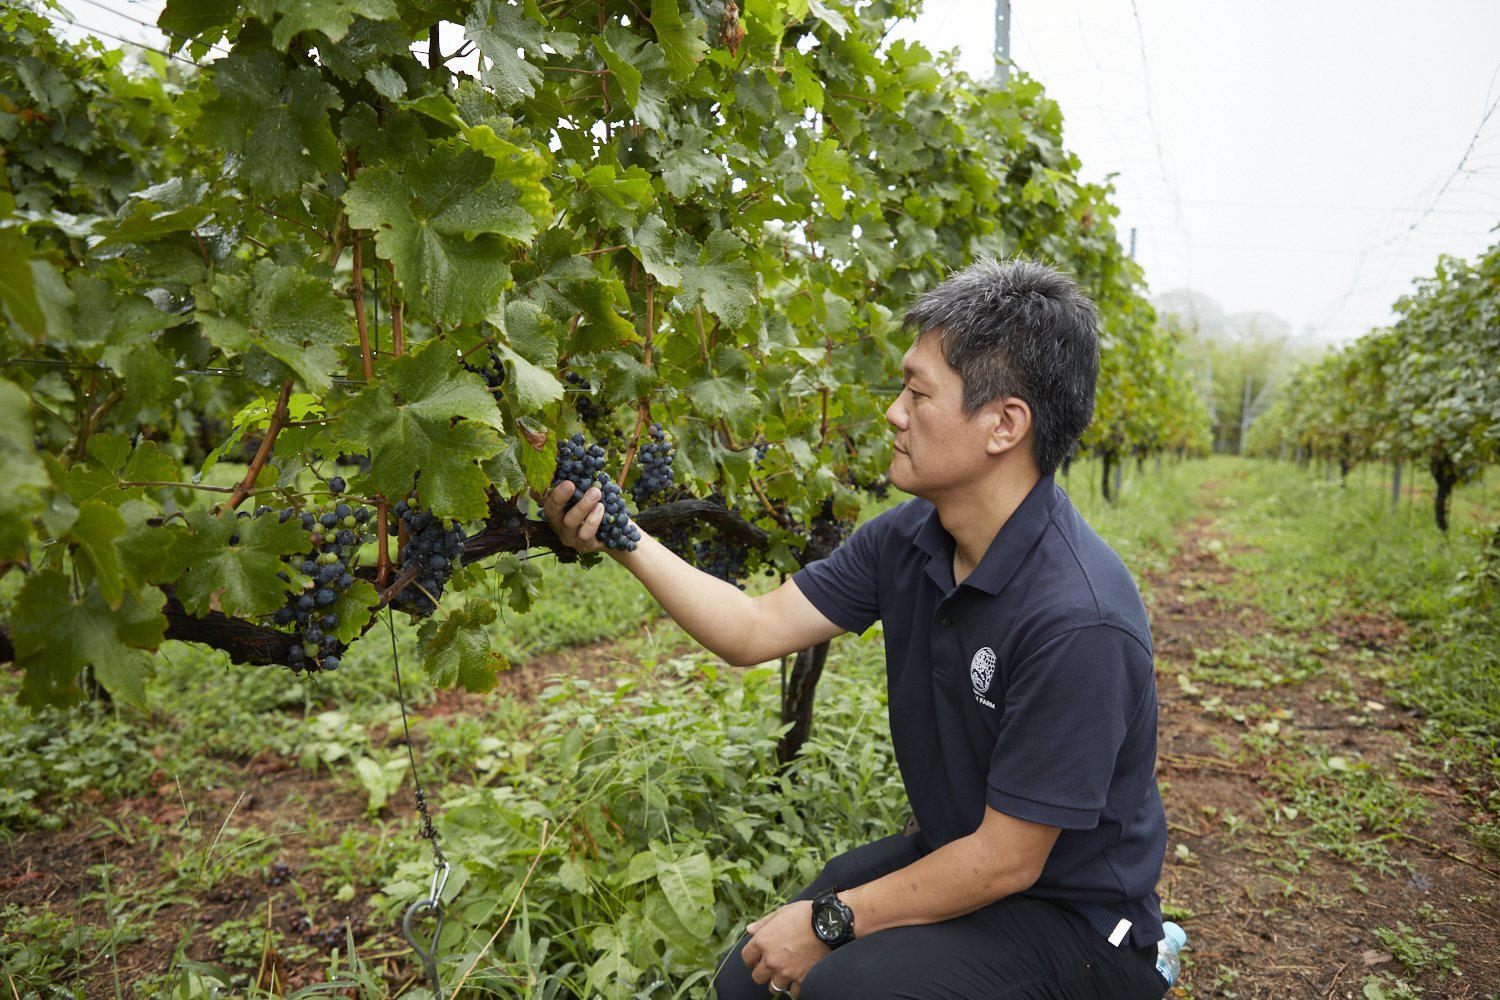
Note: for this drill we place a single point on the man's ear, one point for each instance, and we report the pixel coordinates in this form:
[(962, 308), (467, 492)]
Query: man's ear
[(1010, 424)]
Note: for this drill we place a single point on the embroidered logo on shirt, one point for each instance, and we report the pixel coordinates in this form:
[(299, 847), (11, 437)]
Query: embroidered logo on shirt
[(982, 673)]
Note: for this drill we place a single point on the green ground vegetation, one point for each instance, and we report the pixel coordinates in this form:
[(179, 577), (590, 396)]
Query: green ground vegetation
[(611, 833)]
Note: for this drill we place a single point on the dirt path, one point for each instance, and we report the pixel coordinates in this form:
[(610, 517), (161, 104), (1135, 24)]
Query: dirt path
[(1301, 817)]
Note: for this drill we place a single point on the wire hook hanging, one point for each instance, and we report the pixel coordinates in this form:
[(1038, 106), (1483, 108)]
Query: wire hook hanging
[(427, 954)]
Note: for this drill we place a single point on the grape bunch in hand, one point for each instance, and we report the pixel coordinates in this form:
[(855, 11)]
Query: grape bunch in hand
[(583, 465)]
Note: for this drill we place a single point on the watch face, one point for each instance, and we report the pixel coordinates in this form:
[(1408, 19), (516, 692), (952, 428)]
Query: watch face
[(828, 923)]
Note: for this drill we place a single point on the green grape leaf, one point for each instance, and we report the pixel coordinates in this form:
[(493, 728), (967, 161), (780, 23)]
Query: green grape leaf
[(533, 387), (828, 173), (505, 471), (331, 17), (427, 414), (639, 68), (720, 279), (655, 248), (681, 41), (93, 533), (729, 396), (18, 282), (26, 478), (387, 82), (275, 117), (444, 225), (500, 29), (235, 579), (173, 206), (290, 315), (617, 197), (183, 20), (56, 636), (353, 608), (688, 166), (456, 651), (149, 464)]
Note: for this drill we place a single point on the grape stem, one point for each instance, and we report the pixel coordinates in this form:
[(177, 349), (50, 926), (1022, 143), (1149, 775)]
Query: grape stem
[(246, 486), (405, 578)]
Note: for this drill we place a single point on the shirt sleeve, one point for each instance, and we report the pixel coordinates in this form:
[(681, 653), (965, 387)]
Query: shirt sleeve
[(1068, 709), (845, 586)]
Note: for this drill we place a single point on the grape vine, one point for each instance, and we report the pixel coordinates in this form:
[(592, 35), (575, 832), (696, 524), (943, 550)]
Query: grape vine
[(336, 248)]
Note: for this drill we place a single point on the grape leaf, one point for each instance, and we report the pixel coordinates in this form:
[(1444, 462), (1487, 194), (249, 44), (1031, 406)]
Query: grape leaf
[(654, 247), (288, 314), (444, 225), (456, 651), (353, 609), (681, 41), (235, 579), (185, 20), (56, 636), (828, 173), (18, 284), (427, 414), (500, 29), (730, 396), (719, 278), (689, 166), (93, 533), (331, 17), (25, 474), (639, 68), (617, 197), (275, 117), (534, 387)]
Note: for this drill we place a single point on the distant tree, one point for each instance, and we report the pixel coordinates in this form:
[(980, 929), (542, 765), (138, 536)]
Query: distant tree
[(1240, 359)]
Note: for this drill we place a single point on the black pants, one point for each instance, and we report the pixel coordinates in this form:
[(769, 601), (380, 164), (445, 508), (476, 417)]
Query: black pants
[(1016, 949)]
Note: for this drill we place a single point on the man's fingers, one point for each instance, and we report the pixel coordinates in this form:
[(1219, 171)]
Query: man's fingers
[(557, 496)]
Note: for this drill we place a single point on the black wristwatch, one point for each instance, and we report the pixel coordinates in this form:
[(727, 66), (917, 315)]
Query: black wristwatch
[(832, 920)]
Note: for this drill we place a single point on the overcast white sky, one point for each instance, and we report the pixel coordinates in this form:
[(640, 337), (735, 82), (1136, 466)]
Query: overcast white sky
[(1306, 158), (1301, 158)]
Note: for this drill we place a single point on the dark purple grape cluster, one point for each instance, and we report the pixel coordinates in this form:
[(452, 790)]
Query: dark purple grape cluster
[(433, 549), (761, 448), (492, 370), (722, 557), (335, 534), (583, 466), (656, 467), (279, 873), (583, 399)]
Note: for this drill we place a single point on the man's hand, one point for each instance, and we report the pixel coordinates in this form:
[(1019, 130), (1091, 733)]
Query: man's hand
[(783, 948), (579, 526)]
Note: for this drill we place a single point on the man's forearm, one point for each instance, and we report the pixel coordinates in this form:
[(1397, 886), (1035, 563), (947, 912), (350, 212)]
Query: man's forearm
[(731, 623), (1005, 856), (713, 611)]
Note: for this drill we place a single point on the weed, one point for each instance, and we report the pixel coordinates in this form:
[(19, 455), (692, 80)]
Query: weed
[(1419, 951)]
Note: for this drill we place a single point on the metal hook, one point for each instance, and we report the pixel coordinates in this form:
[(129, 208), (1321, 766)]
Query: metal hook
[(439, 882), (428, 955)]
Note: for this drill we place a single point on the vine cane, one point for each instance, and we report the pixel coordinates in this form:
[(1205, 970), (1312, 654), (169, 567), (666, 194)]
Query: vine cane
[(434, 901)]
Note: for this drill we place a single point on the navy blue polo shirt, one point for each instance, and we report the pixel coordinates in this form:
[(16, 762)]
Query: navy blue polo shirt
[(1029, 687)]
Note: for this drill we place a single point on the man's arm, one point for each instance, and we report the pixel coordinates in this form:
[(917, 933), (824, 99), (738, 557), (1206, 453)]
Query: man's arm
[(1003, 857), (730, 623)]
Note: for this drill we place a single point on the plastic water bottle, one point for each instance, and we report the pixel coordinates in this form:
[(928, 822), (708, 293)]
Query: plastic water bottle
[(1169, 952)]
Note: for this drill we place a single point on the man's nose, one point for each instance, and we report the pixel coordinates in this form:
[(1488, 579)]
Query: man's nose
[(895, 414)]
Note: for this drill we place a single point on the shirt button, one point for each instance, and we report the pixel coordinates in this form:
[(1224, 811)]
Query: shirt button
[(947, 621)]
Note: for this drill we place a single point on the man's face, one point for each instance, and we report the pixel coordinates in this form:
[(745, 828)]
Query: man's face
[(938, 446)]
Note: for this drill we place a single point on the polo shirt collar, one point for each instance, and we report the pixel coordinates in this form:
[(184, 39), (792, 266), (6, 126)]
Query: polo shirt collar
[(1004, 555)]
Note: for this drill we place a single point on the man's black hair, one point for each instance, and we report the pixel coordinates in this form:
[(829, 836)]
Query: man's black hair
[(1019, 328)]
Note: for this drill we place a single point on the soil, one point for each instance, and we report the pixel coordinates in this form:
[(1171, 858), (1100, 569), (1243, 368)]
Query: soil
[(1269, 914)]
